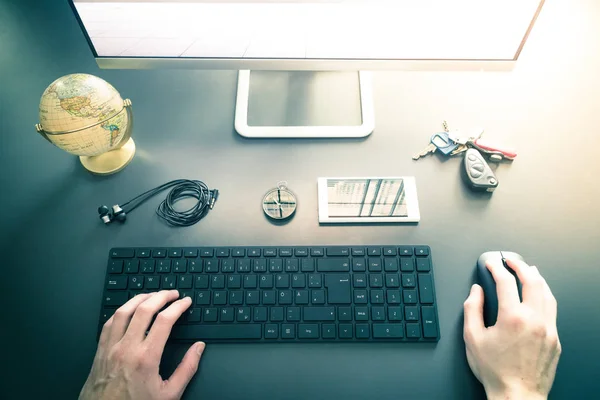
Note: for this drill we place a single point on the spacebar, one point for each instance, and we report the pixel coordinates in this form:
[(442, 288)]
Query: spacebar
[(199, 332)]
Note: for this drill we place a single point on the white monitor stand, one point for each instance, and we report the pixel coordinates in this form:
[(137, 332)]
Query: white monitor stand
[(351, 131)]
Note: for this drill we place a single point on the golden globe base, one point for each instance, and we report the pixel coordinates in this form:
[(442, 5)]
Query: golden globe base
[(110, 162)]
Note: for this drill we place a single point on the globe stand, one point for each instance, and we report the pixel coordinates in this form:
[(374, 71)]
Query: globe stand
[(110, 162)]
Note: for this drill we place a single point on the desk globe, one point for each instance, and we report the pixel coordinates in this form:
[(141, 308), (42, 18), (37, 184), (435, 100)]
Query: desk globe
[(85, 116)]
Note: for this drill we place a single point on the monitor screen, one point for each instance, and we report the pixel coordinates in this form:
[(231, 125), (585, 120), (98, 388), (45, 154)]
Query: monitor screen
[(308, 29)]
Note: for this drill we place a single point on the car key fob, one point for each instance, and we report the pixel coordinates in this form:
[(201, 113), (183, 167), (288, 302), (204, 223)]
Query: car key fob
[(478, 173)]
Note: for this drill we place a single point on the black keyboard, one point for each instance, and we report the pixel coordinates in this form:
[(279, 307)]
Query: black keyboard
[(285, 294)]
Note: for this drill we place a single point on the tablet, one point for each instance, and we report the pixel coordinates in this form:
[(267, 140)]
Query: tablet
[(357, 200)]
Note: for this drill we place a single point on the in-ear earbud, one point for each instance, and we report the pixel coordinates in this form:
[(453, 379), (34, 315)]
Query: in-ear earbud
[(105, 215), (118, 213)]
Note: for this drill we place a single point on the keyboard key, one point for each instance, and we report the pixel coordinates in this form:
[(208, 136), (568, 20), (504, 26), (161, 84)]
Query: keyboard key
[(250, 281), (375, 264), (260, 314), (276, 314), (308, 331), (425, 289), (429, 322), (190, 253), (115, 299), (223, 252), (115, 266), (318, 296), (259, 265), (378, 313), (175, 253), (254, 252), (287, 252), (168, 282), (360, 297), (389, 251), (390, 264), (291, 265), (408, 280), (337, 251), (308, 265), (234, 282), (375, 280), (358, 265), (338, 288), (362, 331), (228, 266), (270, 252), (276, 265), (116, 282), (243, 265), (285, 297), (411, 313), (423, 264), (388, 331), (183, 293), (301, 252), (345, 331), (314, 280), (413, 331), (184, 282), (374, 251), (269, 297), (298, 281), (360, 280), (220, 332), (288, 331), (410, 296), (345, 313), (180, 266), (136, 282), (301, 297), (236, 297), (405, 250), (243, 314), (319, 313), (252, 297), (328, 331), (227, 314), (293, 314), (159, 253), (217, 282), (266, 282), (122, 253), (391, 281), (271, 331), (358, 251), (206, 252), (238, 252), (152, 282), (203, 297), (193, 315), (393, 296), (201, 282), (211, 315), (361, 314), (395, 313), (132, 266), (407, 264), (143, 253), (421, 250), (282, 281), (333, 265), (163, 266), (211, 266), (147, 266), (219, 297), (317, 252), (377, 296)]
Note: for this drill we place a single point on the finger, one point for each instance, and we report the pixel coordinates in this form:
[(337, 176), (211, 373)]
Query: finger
[(161, 328), (506, 286), (185, 371), (146, 311), (473, 326), (122, 317), (532, 283)]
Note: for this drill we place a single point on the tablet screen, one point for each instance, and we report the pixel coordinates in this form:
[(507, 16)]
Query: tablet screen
[(366, 198)]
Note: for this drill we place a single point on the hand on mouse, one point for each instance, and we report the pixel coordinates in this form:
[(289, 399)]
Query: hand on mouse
[(126, 362), (517, 357)]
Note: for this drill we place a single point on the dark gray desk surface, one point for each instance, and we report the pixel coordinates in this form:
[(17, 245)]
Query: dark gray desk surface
[(54, 248)]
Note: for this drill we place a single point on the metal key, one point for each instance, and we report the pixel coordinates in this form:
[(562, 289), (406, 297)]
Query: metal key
[(430, 149)]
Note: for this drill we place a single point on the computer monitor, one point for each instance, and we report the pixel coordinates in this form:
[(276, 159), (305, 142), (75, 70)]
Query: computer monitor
[(314, 35)]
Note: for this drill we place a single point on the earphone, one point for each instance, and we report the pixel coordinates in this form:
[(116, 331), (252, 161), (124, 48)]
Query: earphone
[(181, 188)]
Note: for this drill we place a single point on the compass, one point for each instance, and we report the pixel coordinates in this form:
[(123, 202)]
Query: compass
[(280, 203)]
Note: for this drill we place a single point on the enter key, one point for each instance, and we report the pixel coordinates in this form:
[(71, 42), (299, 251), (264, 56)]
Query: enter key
[(338, 288)]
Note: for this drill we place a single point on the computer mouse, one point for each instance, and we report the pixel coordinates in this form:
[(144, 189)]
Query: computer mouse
[(486, 280)]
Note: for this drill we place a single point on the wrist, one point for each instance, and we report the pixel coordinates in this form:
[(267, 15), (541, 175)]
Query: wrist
[(514, 394)]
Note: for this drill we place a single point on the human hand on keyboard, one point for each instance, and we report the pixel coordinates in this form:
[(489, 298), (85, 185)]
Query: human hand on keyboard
[(127, 360), (517, 357)]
